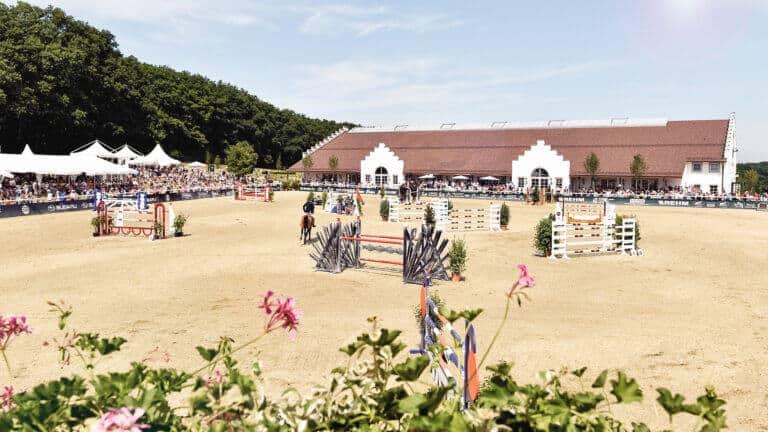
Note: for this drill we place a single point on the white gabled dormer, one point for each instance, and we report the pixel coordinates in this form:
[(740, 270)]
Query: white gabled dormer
[(538, 163), (382, 166)]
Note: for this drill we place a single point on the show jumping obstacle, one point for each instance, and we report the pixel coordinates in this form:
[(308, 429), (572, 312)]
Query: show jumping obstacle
[(252, 193), (590, 228), (436, 343), (477, 219), (128, 220), (339, 246)]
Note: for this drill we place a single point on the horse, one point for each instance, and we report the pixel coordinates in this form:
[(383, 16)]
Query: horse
[(306, 228)]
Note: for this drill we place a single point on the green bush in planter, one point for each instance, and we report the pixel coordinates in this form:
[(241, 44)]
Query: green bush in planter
[(504, 214), (384, 209), (429, 215), (542, 236), (325, 197), (535, 196), (178, 223), (450, 205), (381, 192), (311, 196), (458, 256)]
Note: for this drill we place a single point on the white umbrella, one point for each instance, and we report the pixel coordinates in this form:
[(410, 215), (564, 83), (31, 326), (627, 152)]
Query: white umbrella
[(427, 176), (460, 177), (489, 178), (197, 165)]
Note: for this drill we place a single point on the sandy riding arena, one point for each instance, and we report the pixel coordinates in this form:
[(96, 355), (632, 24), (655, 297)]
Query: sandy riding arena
[(693, 311)]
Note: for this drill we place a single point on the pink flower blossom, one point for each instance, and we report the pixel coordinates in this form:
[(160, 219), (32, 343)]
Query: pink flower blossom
[(282, 314), (11, 326), (215, 380), (121, 420), (525, 279), (6, 398), (267, 303)]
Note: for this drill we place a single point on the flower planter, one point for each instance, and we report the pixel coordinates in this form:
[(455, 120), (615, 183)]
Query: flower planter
[(503, 227), (385, 219), (95, 234), (456, 277), (178, 234)]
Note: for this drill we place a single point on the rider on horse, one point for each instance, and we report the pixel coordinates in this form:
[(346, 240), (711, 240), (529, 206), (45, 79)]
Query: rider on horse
[(309, 210)]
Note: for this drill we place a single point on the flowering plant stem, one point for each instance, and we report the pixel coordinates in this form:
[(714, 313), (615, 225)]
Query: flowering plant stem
[(496, 335), (217, 357), (7, 363)]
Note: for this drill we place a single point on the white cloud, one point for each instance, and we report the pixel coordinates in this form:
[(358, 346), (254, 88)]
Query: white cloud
[(361, 21), (429, 83)]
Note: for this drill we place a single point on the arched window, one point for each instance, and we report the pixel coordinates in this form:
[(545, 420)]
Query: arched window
[(540, 178), (381, 177)]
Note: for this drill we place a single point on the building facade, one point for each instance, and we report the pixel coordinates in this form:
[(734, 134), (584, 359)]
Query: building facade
[(687, 155)]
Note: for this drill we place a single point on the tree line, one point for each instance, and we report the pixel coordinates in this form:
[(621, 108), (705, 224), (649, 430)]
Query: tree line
[(64, 83)]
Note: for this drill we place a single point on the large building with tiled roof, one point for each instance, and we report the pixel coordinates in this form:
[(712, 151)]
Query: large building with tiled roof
[(689, 154)]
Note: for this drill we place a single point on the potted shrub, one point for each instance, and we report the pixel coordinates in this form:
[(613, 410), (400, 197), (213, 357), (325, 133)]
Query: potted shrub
[(458, 258), (504, 216), (178, 224), (381, 192), (311, 196), (384, 210), (271, 195), (542, 236), (96, 224), (429, 216), (325, 198), (158, 227)]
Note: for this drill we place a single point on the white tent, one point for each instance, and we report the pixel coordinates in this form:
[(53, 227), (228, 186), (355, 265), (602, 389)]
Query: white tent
[(125, 153), (94, 148), (157, 157), (28, 162), (197, 165), (5, 173)]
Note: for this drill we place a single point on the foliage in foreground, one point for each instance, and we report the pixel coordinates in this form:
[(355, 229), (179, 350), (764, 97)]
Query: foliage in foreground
[(377, 388)]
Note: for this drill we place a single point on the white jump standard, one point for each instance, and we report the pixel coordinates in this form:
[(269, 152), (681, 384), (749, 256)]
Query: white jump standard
[(582, 229)]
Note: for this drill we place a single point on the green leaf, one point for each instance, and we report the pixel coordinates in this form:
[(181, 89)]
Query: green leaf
[(626, 391), (207, 354), (412, 368), (579, 372), (600, 381)]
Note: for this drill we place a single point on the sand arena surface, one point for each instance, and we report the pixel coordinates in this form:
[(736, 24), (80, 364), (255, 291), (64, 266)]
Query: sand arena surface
[(691, 312)]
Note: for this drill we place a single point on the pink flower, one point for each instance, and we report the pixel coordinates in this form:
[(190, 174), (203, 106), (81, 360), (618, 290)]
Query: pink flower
[(121, 420), (525, 279), (267, 303), (11, 326), (215, 380), (282, 314), (6, 398)]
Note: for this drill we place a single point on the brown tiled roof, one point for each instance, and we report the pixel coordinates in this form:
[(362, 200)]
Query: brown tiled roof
[(666, 149)]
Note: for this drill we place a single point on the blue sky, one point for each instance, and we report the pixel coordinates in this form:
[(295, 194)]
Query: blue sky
[(424, 62)]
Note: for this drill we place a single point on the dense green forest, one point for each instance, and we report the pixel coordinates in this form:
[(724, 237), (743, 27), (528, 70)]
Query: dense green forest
[(753, 176), (64, 83)]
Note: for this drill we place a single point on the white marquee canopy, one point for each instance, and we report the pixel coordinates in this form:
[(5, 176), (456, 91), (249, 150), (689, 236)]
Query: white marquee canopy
[(94, 148), (29, 162), (126, 153), (157, 157)]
